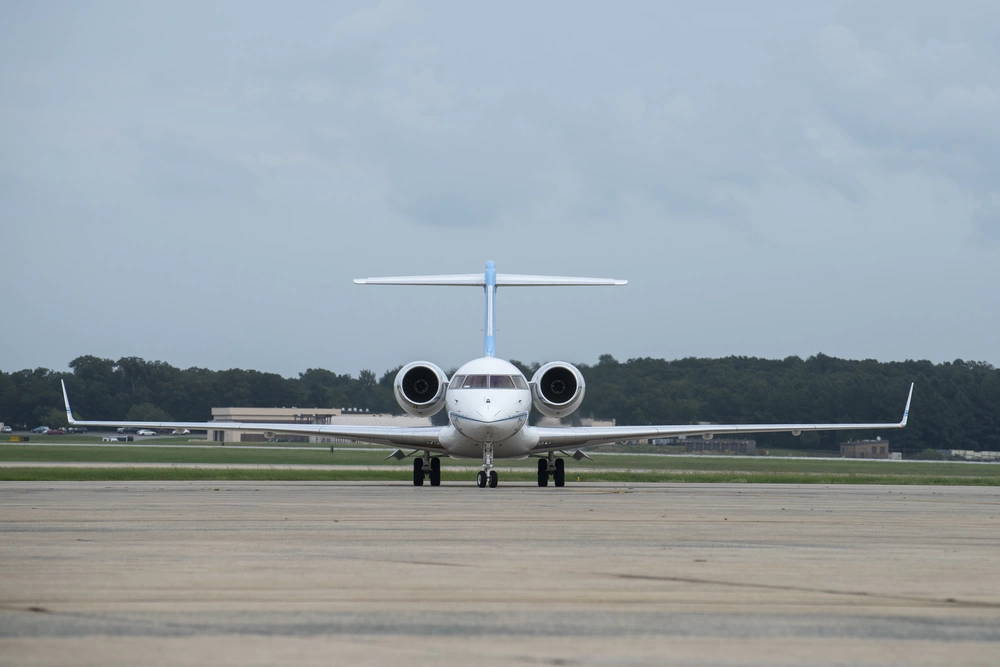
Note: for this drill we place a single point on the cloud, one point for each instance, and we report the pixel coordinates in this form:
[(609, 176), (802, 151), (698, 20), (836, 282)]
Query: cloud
[(790, 168)]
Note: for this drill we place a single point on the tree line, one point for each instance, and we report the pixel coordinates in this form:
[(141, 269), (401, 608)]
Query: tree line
[(956, 405)]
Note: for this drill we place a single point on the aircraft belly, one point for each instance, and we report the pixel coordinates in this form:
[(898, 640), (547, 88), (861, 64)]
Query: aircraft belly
[(516, 446)]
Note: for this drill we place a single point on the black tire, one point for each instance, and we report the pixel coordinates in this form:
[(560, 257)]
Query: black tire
[(494, 479), (560, 474), (418, 472), (435, 472), (481, 479), (543, 472)]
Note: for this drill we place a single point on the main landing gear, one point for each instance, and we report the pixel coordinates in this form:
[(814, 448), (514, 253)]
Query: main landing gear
[(551, 467), (487, 476), (429, 466)]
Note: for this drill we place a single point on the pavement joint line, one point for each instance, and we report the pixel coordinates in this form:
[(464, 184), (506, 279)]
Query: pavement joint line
[(801, 589)]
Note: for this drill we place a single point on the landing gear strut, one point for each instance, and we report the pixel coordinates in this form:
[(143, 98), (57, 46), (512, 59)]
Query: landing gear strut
[(554, 467), (487, 476)]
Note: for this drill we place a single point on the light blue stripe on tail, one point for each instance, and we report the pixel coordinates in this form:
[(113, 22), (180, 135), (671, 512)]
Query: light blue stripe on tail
[(490, 290)]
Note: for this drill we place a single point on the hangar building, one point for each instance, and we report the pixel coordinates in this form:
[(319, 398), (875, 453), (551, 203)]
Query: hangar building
[(300, 416), (865, 449)]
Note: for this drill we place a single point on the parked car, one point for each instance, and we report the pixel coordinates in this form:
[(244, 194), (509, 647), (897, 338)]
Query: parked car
[(40, 429), (8, 429), (55, 431), (117, 438), (181, 431), (145, 431), (76, 429)]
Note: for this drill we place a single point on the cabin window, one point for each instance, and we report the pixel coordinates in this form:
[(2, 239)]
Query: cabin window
[(501, 382), (488, 382), (475, 382)]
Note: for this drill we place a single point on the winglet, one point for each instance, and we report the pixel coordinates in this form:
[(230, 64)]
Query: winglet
[(69, 412), (906, 410)]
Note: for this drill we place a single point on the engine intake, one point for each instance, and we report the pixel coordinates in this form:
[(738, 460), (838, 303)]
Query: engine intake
[(557, 389), (420, 388)]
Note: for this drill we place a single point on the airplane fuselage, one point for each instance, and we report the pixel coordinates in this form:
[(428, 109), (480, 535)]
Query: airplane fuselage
[(488, 401)]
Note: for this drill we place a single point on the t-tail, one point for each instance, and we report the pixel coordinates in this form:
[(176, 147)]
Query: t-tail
[(490, 280)]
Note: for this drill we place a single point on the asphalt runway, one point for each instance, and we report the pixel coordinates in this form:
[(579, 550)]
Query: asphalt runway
[(247, 573)]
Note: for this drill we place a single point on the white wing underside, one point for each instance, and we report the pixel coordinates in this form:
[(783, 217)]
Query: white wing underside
[(578, 437), (419, 437), (549, 438)]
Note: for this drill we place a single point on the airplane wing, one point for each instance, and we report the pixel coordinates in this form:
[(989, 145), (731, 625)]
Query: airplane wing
[(578, 437), (418, 437)]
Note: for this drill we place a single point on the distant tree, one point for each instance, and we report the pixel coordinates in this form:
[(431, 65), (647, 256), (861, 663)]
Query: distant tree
[(53, 418), (956, 404), (526, 369), (147, 412)]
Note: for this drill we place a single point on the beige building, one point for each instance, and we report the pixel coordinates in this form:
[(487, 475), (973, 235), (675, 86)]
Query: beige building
[(720, 446), (865, 449), (299, 416)]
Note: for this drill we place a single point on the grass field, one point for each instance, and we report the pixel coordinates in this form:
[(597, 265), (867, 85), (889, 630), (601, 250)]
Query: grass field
[(613, 467)]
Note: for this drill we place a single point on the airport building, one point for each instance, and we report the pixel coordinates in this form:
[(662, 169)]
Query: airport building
[(720, 446), (865, 449), (971, 454), (299, 416)]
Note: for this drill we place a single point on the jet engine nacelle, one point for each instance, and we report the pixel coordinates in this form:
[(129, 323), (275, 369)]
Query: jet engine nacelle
[(420, 387), (557, 389)]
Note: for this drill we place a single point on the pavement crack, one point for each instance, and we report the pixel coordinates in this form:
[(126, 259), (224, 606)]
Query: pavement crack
[(950, 601)]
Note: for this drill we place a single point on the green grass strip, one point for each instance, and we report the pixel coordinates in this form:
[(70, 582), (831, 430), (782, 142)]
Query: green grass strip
[(42, 473), (667, 464)]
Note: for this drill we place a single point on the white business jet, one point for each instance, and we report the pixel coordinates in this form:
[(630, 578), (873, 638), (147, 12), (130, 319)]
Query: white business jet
[(488, 400)]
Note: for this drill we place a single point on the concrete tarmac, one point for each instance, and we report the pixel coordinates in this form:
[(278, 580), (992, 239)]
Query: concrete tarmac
[(247, 573)]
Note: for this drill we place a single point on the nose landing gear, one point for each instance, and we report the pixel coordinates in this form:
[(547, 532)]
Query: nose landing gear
[(487, 476)]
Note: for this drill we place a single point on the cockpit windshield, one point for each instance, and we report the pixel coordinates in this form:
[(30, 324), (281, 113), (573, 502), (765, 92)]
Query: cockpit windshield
[(488, 382)]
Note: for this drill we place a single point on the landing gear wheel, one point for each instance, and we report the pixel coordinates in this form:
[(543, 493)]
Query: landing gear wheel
[(435, 472), (494, 479), (543, 472), (481, 479), (560, 474), (418, 472)]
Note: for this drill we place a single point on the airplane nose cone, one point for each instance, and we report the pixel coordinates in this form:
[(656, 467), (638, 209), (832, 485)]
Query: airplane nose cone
[(488, 424), (487, 414)]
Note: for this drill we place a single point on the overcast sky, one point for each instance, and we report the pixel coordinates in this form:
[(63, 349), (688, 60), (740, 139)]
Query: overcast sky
[(199, 182)]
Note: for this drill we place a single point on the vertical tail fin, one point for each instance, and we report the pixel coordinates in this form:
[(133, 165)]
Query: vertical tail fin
[(489, 280), (490, 292)]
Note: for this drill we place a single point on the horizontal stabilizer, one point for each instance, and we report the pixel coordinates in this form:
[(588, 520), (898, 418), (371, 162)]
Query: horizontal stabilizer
[(517, 280), (490, 280), (447, 279), (502, 280)]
